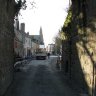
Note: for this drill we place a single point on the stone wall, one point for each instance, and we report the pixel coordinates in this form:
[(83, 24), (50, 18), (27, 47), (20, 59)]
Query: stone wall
[(6, 43), (83, 46)]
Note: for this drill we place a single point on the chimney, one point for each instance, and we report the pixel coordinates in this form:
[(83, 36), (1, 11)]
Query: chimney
[(17, 25), (27, 33), (22, 28)]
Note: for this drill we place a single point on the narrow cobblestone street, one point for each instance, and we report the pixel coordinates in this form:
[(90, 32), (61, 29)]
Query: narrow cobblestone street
[(39, 78)]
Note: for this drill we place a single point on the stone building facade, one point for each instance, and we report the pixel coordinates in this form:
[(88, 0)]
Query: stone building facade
[(27, 45), (18, 43)]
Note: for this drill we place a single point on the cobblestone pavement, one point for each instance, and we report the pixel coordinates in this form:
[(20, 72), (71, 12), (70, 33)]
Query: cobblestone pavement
[(39, 78)]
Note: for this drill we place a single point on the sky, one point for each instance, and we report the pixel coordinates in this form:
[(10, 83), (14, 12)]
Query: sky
[(48, 14)]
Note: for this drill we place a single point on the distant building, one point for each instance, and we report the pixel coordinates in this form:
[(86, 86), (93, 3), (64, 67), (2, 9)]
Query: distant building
[(39, 37), (27, 45), (34, 47), (18, 41), (34, 43), (22, 41), (50, 48), (37, 40)]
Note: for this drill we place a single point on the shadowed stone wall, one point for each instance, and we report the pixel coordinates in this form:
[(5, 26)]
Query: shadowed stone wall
[(6, 43), (82, 46), (83, 55)]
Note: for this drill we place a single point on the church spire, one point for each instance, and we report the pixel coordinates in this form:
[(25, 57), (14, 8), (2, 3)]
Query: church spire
[(41, 35), (41, 31)]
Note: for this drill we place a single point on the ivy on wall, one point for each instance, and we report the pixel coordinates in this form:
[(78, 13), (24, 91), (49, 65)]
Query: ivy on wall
[(65, 33)]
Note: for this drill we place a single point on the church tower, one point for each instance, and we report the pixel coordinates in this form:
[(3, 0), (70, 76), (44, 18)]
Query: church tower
[(41, 36)]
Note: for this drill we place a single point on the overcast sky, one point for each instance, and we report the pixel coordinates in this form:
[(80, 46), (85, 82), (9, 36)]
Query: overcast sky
[(49, 14)]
